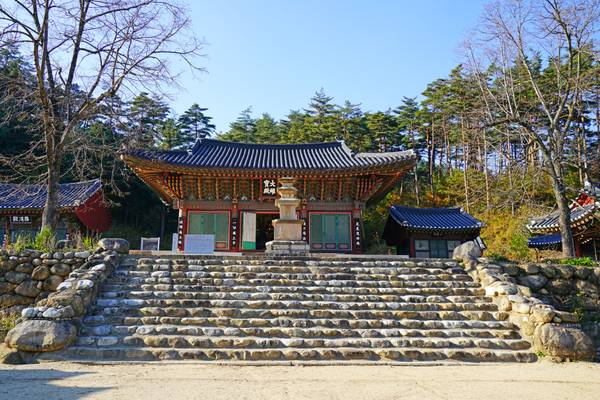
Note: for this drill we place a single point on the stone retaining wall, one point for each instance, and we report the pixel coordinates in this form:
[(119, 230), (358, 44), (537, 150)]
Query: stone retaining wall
[(52, 322), (30, 276), (532, 295)]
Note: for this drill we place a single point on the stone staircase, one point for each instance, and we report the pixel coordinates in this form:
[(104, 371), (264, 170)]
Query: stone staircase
[(313, 310)]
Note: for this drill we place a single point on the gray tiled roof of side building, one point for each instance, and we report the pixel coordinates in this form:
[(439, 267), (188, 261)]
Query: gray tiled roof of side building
[(22, 196)]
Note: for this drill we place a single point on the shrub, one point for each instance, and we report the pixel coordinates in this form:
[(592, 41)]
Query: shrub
[(581, 261), (8, 321), (45, 240), (22, 242)]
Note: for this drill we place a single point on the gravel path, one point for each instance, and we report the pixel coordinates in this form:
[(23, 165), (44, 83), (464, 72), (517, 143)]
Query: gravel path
[(69, 381)]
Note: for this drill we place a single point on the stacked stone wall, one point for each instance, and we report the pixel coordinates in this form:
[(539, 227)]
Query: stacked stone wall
[(51, 323), (29, 276), (537, 299)]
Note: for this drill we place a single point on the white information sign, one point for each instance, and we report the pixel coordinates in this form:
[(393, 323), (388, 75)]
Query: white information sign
[(199, 244), (174, 241)]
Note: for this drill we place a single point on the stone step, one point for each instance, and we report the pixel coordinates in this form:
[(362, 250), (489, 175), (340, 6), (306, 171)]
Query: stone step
[(309, 283), (348, 275), (443, 291), (353, 273), (342, 298), (300, 354), (287, 332), (305, 323), (298, 313), (302, 263), (295, 304), (250, 342)]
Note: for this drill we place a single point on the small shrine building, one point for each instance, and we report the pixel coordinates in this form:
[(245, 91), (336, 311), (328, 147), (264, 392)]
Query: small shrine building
[(585, 212), (228, 189), (429, 232), (81, 209)]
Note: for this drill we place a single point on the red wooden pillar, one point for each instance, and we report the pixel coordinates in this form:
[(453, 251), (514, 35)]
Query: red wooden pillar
[(411, 247)]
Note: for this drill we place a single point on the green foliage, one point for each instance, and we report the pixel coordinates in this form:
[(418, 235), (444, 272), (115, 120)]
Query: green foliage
[(540, 354), (21, 242), (581, 261), (505, 235), (8, 321), (45, 240)]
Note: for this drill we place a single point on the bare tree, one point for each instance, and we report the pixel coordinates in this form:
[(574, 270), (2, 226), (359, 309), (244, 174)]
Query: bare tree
[(84, 53), (537, 91)]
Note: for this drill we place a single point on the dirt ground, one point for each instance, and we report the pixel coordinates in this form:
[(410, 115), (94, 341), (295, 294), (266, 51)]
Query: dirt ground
[(69, 381)]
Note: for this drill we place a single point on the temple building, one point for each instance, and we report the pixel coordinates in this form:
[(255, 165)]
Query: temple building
[(429, 232), (228, 189), (82, 209), (585, 211)]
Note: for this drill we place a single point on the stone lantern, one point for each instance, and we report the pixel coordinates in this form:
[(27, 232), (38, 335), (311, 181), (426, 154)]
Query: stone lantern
[(287, 232)]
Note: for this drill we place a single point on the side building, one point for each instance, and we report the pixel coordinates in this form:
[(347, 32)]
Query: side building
[(81, 206), (429, 232), (585, 212), (228, 189)]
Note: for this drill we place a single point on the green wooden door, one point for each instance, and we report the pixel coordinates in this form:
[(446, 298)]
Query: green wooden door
[(330, 232), (211, 224)]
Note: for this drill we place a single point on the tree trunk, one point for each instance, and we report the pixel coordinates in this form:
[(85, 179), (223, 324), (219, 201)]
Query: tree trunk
[(51, 208), (564, 220)]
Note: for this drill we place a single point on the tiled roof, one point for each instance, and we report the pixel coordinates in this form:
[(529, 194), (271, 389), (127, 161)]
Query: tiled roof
[(210, 153), (16, 196), (549, 223), (434, 219), (544, 241)]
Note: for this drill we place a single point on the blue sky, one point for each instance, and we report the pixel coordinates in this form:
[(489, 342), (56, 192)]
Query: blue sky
[(273, 55)]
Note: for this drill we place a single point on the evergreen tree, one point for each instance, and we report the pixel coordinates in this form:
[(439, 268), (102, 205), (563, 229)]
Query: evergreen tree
[(243, 129), (267, 130), (323, 119), (195, 124), (147, 116), (170, 136)]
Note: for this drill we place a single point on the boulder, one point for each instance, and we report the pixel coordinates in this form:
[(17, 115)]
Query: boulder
[(530, 269), (15, 277), (28, 289), (121, 246), (560, 286), (582, 273), (82, 254), (467, 251), (60, 269), (41, 335), (511, 269), (563, 343), (535, 282), (548, 270), (40, 273), (542, 313), (565, 271), (6, 287), (52, 283), (9, 300), (25, 268)]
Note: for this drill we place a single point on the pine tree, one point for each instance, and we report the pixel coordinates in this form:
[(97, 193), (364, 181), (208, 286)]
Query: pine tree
[(323, 119), (267, 130), (195, 124), (243, 129), (147, 115), (170, 136)]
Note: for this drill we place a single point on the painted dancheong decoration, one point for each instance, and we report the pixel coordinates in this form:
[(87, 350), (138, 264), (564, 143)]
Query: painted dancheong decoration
[(229, 189)]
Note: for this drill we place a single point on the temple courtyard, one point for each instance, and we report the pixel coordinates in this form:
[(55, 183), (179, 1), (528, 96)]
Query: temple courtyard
[(69, 381)]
